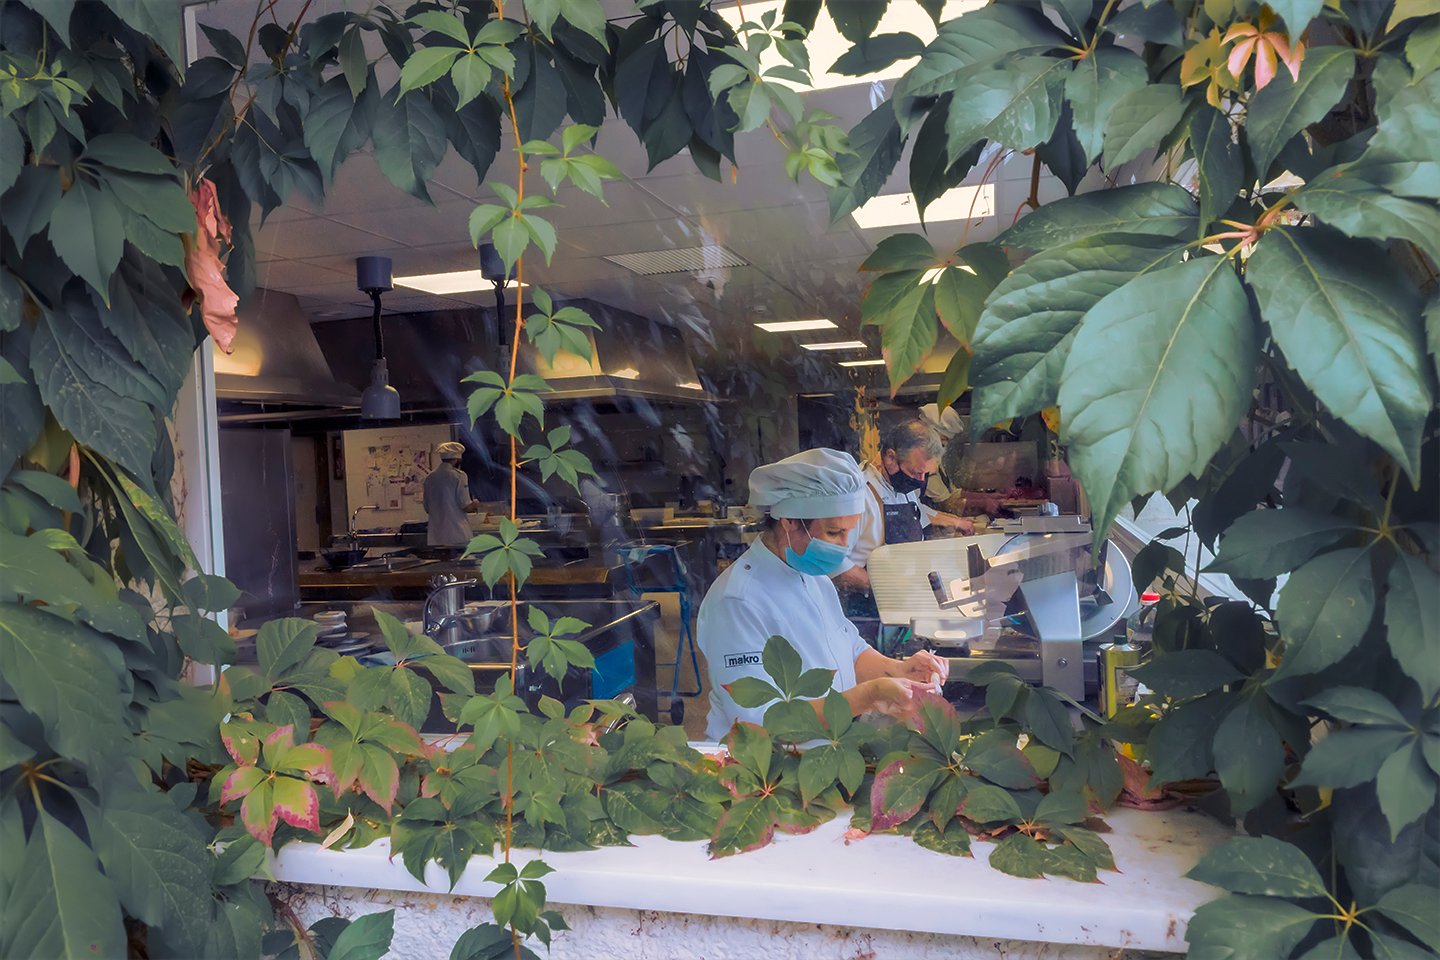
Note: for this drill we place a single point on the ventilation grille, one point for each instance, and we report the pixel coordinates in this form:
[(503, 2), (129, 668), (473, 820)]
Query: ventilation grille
[(678, 260)]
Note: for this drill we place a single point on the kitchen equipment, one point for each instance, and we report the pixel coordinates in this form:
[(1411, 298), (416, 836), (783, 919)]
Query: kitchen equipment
[(341, 558), (1032, 600), (440, 617)]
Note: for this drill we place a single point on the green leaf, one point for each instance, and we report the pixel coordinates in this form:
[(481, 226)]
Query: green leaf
[(1028, 324), (470, 74), (959, 297), (1411, 621), (953, 842), (1139, 120), (1406, 786), (751, 692), (353, 62), (1179, 745), (1249, 755), (65, 908), (752, 747), (443, 24), (1048, 720), (1157, 209), (1348, 758), (57, 672), (409, 141), (1246, 928), (1094, 87), (88, 232), (995, 756), (409, 697), (425, 66), (1361, 209), (281, 644), (1020, 856), (908, 332), (782, 664), (1284, 107), (900, 790), (1358, 705), (1267, 543), (793, 721), (748, 825), (1324, 610), (1219, 166), (366, 938), (1186, 673), (1013, 102), (1413, 907), (1422, 50), (901, 251), (986, 803), (157, 861), (157, 23), (876, 144), (819, 769), (1159, 374)]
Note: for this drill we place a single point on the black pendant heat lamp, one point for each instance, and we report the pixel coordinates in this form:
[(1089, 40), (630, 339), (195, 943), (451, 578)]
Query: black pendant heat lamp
[(380, 400), (492, 268)]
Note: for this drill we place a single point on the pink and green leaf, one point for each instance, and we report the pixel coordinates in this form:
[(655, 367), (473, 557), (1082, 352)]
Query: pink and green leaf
[(240, 783), (242, 742), (257, 812), (310, 758), (379, 775), (296, 803)]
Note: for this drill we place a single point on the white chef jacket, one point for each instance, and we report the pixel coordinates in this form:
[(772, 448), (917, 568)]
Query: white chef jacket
[(758, 597), (870, 533), (447, 494)]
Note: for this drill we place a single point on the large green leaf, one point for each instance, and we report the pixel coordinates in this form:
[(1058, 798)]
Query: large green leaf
[(540, 103), (88, 232), (1406, 786), (281, 644), (876, 143), (908, 333), (338, 122), (1179, 745), (1412, 621), (1186, 673), (1012, 102), (1286, 106), (1158, 209), (157, 860), (65, 908), (1246, 928), (1024, 334), (1094, 87), (145, 314), (1248, 753), (1413, 907), (1324, 610), (1401, 156), (1361, 209), (58, 674), (1348, 321), (1158, 375), (1348, 758), (157, 23), (1218, 164), (366, 938), (1139, 120), (409, 141), (121, 428), (1267, 543)]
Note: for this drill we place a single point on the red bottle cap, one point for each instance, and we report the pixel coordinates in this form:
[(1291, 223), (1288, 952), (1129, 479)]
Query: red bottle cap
[(1149, 596)]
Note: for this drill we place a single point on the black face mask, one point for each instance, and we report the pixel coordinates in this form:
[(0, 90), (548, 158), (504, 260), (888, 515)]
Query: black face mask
[(904, 483)]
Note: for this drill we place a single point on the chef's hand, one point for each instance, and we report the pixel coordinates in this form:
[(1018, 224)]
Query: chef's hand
[(948, 521), (926, 667), (893, 696)]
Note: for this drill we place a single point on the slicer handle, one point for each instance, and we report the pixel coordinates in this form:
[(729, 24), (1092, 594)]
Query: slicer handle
[(975, 562), (937, 586)]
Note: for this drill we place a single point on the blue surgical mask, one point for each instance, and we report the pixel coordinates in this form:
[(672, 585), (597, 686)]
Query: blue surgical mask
[(820, 559)]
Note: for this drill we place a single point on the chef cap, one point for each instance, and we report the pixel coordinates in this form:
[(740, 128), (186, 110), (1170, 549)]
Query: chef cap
[(810, 485), (947, 423), (449, 449)]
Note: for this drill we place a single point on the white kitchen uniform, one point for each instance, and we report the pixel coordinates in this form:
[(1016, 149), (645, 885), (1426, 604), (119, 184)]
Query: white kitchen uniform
[(871, 531), (447, 493), (756, 598)]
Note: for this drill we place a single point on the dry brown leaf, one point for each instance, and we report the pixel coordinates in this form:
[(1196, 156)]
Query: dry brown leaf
[(205, 269)]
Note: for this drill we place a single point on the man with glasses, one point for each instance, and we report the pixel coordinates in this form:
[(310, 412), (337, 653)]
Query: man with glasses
[(910, 451)]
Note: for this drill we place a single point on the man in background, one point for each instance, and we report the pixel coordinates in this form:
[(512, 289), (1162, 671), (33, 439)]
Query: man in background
[(448, 500)]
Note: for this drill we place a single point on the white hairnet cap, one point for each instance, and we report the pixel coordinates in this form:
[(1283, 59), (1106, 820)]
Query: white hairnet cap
[(449, 449), (810, 485), (947, 423)]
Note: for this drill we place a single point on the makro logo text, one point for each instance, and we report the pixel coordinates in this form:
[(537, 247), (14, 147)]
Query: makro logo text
[(742, 659)]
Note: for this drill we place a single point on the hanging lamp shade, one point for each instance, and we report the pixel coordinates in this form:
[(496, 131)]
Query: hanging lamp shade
[(380, 401)]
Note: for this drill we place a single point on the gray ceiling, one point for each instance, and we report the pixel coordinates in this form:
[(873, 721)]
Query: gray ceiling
[(800, 266)]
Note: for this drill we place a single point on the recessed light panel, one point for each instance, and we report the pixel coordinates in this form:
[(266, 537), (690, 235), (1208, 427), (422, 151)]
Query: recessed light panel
[(457, 281), (795, 326), (862, 363), (899, 209), (837, 345)]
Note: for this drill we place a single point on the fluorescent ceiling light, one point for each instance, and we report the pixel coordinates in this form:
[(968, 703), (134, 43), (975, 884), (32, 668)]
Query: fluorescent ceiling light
[(934, 273), (826, 44), (627, 373), (898, 209), (690, 385), (795, 326), (457, 281), (862, 363), (837, 345)]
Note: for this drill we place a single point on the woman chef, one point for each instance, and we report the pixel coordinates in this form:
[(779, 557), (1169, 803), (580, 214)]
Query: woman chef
[(781, 586)]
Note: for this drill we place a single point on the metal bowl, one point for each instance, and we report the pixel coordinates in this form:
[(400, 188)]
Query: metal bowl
[(340, 559)]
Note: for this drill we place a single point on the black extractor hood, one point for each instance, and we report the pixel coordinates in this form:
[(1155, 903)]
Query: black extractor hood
[(276, 360)]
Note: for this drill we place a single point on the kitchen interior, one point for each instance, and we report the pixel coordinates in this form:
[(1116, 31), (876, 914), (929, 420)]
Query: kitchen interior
[(730, 337)]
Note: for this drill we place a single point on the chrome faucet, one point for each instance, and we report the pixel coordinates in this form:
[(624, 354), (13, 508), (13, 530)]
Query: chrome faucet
[(445, 589), (355, 516)]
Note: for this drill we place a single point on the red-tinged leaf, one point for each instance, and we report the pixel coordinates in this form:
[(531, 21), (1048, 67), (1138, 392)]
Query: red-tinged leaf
[(311, 758), (204, 269), (853, 834), (379, 776), (240, 783), (240, 742), (280, 739), (396, 737), (796, 821), (257, 812), (899, 791), (747, 825), (1137, 780), (296, 803)]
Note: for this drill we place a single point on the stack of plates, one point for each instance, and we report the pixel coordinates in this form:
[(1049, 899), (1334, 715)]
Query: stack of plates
[(335, 633)]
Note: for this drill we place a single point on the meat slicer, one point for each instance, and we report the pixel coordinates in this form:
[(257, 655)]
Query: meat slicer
[(1038, 595)]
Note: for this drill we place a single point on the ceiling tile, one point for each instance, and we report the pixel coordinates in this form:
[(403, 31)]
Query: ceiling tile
[(316, 237), (632, 237), (418, 225), (282, 275)]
